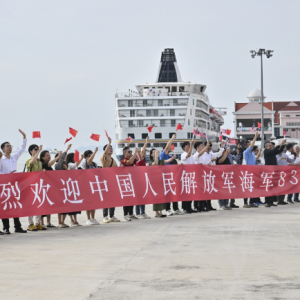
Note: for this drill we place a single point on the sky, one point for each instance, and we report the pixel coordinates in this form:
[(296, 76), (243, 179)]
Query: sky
[(61, 61)]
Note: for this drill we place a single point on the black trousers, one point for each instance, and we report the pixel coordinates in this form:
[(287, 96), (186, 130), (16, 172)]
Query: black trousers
[(269, 200), (128, 210), (6, 223), (197, 205), (186, 205), (110, 210), (174, 204)]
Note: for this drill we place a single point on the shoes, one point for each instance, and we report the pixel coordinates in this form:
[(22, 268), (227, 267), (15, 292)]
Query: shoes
[(290, 202), (253, 205), (272, 204), (140, 217), (133, 217), (194, 211), (127, 218), (63, 225), (50, 226), (246, 206), (20, 230), (189, 211), (282, 203), (114, 219), (261, 203), (169, 213), (297, 201), (211, 208), (146, 216), (222, 208), (88, 222), (234, 206), (228, 208), (73, 224), (6, 231), (160, 216), (268, 205), (95, 222), (106, 220), (178, 212), (31, 227)]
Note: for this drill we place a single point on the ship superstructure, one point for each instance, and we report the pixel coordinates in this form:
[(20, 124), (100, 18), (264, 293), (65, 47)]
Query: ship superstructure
[(164, 104)]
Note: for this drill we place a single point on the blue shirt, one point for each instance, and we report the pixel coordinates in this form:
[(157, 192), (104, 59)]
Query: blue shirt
[(249, 157), (233, 158), (164, 156)]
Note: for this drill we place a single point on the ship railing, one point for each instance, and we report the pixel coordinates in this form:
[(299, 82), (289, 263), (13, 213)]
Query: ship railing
[(164, 105), (167, 124), (122, 115), (150, 94)]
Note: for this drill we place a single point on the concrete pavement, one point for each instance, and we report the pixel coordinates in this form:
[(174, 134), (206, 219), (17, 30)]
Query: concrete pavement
[(238, 254)]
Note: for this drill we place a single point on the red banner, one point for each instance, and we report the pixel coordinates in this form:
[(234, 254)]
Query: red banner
[(42, 193)]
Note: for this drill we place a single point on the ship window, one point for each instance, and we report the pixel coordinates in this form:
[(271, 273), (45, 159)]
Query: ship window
[(121, 145), (172, 112), (174, 144), (146, 88), (131, 146), (163, 145), (190, 111), (148, 113), (130, 103), (155, 145), (158, 135), (160, 102), (189, 122), (193, 101), (173, 123), (130, 123), (145, 103), (171, 134), (162, 123), (132, 113), (202, 89), (140, 145), (171, 67), (131, 135), (140, 123), (144, 135), (174, 88), (181, 89), (155, 112), (175, 101)]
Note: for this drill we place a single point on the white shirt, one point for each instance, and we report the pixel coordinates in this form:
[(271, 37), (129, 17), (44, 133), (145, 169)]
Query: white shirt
[(289, 154), (197, 158), (297, 160), (206, 158), (7, 165), (187, 161), (72, 166)]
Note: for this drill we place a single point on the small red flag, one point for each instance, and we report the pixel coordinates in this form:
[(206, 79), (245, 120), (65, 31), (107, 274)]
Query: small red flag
[(172, 147), (150, 128), (258, 125), (77, 156), (179, 127), (68, 140), (73, 131), (36, 134), (221, 137), (95, 137), (106, 134), (228, 131), (129, 139)]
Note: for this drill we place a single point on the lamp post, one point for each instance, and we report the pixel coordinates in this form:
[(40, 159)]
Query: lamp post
[(268, 54)]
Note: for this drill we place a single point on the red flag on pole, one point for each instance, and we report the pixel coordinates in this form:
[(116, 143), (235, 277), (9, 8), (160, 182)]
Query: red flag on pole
[(106, 134), (172, 147), (77, 156), (36, 134), (221, 137), (228, 131), (179, 127), (95, 137), (150, 128), (129, 139), (73, 131), (68, 140), (258, 125)]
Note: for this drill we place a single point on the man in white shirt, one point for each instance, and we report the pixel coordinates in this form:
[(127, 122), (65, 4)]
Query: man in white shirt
[(187, 159), (296, 162), (8, 164)]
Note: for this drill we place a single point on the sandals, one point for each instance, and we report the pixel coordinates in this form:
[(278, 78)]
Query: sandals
[(50, 226)]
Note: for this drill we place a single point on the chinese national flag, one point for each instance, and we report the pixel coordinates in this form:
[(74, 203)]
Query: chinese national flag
[(36, 134), (150, 128), (172, 147), (106, 134), (179, 127), (77, 156), (258, 125), (95, 137), (228, 131), (73, 131)]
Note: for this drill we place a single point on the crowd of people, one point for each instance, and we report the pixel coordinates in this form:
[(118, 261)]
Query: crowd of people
[(40, 160)]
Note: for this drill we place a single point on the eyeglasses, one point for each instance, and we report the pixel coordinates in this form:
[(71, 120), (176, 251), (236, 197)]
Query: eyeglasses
[(8, 146), (129, 151), (36, 149)]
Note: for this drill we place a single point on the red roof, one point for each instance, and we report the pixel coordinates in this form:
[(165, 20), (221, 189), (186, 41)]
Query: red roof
[(268, 105)]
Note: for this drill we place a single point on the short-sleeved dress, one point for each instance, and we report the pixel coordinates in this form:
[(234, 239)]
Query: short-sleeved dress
[(158, 206)]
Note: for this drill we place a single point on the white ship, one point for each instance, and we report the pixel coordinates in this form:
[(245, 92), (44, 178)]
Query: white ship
[(164, 104)]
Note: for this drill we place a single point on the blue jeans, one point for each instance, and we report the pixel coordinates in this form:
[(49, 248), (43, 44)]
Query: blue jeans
[(290, 196), (223, 202), (139, 209)]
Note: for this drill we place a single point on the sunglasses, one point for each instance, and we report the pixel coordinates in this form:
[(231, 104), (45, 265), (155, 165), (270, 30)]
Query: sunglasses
[(36, 149), (129, 151)]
